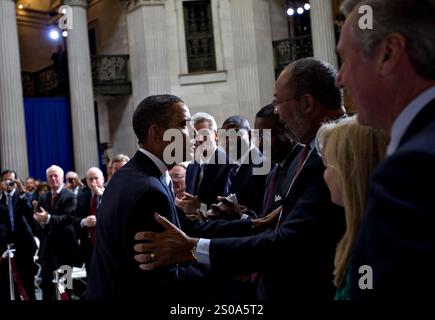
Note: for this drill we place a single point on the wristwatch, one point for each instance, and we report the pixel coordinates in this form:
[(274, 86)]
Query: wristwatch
[(193, 250)]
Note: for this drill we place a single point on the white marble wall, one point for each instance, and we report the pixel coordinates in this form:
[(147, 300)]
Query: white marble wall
[(120, 111), (109, 19), (13, 148), (278, 20), (218, 93), (217, 98), (229, 97), (81, 95)]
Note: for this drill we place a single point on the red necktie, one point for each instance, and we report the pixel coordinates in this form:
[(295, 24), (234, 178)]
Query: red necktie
[(93, 212), (53, 199), (302, 157), (271, 188)]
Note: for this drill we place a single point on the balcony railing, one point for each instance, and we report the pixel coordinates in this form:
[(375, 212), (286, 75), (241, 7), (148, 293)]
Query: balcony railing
[(289, 50), (109, 77)]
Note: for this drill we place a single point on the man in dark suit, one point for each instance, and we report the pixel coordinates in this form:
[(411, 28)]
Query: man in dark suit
[(138, 190), (272, 134), (14, 229), (295, 261), (390, 73), (283, 151), (88, 201), (207, 174), (58, 244), (242, 179)]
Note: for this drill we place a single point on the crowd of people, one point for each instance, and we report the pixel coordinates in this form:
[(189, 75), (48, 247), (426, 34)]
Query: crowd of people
[(341, 214), (47, 224)]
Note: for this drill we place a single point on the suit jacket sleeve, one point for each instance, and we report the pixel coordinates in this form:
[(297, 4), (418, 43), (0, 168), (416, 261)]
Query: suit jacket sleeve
[(310, 228), (68, 210), (24, 209), (217, 228), (141, 218)]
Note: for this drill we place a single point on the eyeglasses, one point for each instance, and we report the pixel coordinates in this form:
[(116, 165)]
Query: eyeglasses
[(276, 103)]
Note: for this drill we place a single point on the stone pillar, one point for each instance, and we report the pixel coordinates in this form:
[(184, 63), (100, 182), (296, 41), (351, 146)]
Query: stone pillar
[(322, 29), (146, 23), (253, 55), (81, 90), (13, 147)]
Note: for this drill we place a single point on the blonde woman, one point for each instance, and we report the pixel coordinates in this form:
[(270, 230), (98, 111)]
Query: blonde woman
[(350, 152)]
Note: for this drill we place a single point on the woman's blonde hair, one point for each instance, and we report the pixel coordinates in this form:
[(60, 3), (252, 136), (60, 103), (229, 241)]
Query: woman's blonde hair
[(353, 151)]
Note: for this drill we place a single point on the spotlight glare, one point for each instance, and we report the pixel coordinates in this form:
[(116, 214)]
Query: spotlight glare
[(20, 6), (307, 6), (300, 10), (54, 35), (290, 12), (65, 34)]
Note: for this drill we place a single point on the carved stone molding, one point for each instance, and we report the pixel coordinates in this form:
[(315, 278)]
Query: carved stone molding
[(132, 4), (72, 3)]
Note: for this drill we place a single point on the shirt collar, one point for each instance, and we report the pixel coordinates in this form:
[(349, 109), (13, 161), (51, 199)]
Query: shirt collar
[(405, 118), (59, 189), (159, 163), (210, 154), (10, 193)]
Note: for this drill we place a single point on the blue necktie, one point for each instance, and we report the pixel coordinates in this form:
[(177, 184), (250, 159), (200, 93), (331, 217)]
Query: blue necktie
[(171, 188), (11, 212), (199, 178), (230, 180)]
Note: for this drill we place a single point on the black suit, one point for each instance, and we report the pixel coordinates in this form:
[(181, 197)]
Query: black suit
[(396, 238), (84, 198), (213, 180), (283, 180), (22, 238), (135, 192), (58, 238), (248, 187), (297, 261)]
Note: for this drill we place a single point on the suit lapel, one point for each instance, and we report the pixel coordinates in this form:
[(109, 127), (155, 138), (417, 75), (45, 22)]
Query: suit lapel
[(148, 166), (296, 181)]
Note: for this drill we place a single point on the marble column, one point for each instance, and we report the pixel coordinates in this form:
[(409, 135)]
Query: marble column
[(146, 23), (13, 147), (81, 90), (253, 55), (322, 29)]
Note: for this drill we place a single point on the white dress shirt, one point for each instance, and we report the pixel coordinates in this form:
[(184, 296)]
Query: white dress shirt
[(159, 163)]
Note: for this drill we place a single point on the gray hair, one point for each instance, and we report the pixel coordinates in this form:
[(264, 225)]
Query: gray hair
[(94, 169), (201, 117), (120, 158), (412, 19), (56, 168)]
